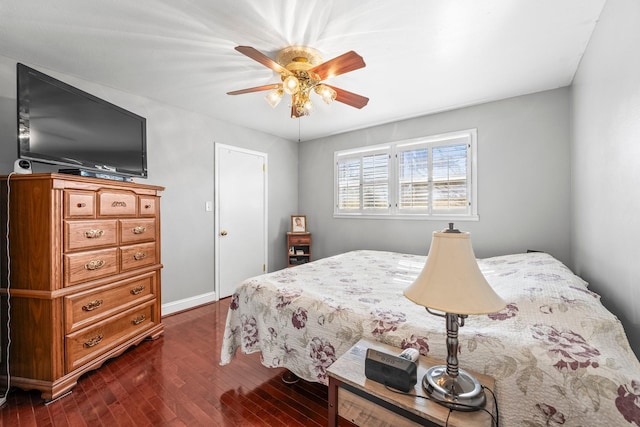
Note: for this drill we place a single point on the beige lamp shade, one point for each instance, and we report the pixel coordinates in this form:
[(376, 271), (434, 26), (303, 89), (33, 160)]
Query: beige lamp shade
[(451, 280)]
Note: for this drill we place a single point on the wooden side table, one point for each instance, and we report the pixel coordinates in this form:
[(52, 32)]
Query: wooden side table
[(366, 402), (298, 248)]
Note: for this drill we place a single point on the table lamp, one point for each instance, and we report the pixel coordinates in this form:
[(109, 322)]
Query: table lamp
[(451, 283)]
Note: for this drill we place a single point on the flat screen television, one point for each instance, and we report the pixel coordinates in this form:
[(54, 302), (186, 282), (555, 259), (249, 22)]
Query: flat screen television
[(63, 125)]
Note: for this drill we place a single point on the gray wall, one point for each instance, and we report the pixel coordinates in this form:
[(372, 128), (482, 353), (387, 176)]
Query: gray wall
[(180, 157), (605, 158), (523, 181)]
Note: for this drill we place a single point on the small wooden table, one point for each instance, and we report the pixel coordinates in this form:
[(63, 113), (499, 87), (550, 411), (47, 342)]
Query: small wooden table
[(366, 402)]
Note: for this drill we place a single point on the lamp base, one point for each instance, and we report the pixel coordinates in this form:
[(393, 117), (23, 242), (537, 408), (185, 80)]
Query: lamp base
[(462, 393)]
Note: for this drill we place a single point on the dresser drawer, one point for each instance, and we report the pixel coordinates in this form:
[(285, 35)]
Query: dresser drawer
[(91, 306), (89, 234), (86, 344), (117, 203), (79, 204), (137, 230), (137, 256), (85, 266), (299, 240), (148, 206)]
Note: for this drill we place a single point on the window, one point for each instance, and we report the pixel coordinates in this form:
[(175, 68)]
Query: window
[(424, 177), (363, 181)]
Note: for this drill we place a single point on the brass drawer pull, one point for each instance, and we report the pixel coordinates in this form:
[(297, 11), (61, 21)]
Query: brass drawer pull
[(139, 256), (94, 264), (92, 305), (139, 229), (137, 290), (94, 341), (138, 319), (119, 204), (93, 234)]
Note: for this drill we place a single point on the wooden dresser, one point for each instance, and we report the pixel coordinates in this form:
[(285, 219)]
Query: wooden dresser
[(85, 275)]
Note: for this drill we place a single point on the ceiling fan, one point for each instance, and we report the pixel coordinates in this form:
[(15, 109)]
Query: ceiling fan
[(301, 70)]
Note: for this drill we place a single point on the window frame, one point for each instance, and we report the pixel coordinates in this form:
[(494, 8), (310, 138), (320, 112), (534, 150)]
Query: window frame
[(393, 149)]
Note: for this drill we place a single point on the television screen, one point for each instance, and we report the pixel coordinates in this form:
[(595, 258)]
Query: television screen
[(63, 125)]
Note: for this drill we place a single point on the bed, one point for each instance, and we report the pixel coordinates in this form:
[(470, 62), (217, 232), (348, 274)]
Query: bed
[(558, 356)]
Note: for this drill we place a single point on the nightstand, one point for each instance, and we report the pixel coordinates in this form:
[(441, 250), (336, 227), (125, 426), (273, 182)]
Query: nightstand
[(298, 248), (366, 402)]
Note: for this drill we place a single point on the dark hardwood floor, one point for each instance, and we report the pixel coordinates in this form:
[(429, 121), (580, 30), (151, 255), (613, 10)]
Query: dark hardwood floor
[(177, 381)]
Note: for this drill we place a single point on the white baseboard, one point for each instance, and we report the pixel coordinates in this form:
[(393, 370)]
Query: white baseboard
[(187, 303)]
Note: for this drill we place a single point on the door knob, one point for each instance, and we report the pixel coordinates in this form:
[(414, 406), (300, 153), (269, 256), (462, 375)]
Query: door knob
[(223, 233)]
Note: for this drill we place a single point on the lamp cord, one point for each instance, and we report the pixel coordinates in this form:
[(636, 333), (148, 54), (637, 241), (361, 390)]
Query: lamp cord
[(495, 405), (495, 418), (4, 398)]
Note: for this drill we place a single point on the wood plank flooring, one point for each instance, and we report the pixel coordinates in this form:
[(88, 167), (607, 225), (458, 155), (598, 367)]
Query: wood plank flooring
[(177, 381)]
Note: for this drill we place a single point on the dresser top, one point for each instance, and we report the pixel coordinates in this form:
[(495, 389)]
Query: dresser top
[(61, 181)]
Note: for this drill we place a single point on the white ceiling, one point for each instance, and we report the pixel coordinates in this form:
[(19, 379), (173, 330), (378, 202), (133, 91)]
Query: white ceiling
[(422, 56)]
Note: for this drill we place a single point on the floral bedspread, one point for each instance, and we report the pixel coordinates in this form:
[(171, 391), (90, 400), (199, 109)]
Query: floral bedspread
[(558, 356)]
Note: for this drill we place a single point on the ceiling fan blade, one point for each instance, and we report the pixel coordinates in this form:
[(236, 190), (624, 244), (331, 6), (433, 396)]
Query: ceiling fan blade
[(344, 63), (256, 89), (349, 98), (256, 55), (294, 112)]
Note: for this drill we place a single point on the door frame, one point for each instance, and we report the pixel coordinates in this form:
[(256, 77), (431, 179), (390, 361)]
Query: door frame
[(216, 227)]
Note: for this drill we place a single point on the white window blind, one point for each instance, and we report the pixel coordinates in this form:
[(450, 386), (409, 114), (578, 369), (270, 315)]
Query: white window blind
[(424, 177), (449, 176), (363, 182), (375, 181), (413, 179), (349, 184)]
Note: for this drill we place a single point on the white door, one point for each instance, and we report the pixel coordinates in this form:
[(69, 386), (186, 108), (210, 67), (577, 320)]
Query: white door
[(241, 216)]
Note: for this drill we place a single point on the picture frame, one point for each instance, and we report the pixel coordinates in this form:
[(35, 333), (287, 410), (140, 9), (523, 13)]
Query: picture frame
[(298, 223)]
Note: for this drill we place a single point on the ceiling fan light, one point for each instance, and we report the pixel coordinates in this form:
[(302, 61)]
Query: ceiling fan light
[(327, 94), (274, 97), (307, 107), (291, 85)]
